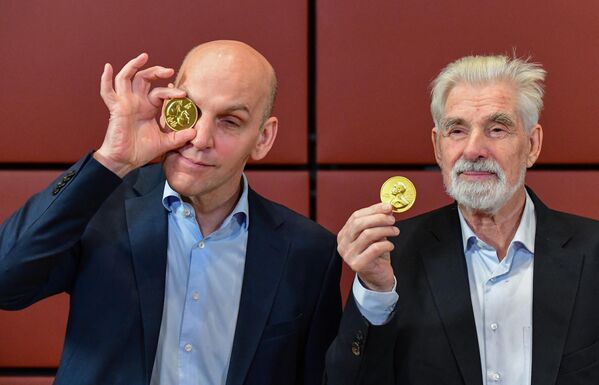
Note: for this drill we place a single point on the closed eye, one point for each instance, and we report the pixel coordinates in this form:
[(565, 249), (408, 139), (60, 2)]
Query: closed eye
[(230, 121), (456, 132)]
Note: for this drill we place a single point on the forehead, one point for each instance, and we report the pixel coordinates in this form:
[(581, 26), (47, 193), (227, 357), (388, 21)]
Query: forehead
[(217, 76), (470, 101)]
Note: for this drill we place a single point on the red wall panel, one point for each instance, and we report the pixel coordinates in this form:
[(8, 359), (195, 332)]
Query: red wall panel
[(375, 64), (52, 55), (33, 337), (290, 188), (30, 380), (575, 192), (41, 325)]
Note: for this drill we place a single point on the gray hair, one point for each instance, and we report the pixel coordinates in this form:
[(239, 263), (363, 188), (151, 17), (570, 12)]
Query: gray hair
[(526, 77)]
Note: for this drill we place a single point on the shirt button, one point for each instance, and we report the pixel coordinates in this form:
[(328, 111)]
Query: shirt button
[(186, 212), (195, 295), (201, 245), (494, 376), (187, 347), (494, 326)]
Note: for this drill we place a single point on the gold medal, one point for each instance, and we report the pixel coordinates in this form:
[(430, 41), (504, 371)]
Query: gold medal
[(180, 114), (399, 192)]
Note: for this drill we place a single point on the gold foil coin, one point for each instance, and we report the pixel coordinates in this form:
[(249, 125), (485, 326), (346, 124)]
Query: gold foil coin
[(399, 192), (180, 114)]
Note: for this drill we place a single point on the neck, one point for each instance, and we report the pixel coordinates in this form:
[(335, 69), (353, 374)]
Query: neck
[(211, 211), (497, 229)]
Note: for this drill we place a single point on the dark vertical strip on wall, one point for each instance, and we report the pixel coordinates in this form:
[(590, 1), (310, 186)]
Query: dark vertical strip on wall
[(312, 163)]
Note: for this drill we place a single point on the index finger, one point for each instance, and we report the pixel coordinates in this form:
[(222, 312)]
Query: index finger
[(142, 79), (378, 208), (122, 81), (376, 215)]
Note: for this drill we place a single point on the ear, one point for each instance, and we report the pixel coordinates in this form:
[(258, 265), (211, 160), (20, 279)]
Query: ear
[(535, 139), (266, 138), (435, 138)]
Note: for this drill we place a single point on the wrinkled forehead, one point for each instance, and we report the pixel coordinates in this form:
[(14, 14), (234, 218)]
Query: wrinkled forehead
[(480, 99)]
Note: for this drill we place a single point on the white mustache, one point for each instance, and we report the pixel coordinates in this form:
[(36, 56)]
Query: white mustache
[(484, 165)]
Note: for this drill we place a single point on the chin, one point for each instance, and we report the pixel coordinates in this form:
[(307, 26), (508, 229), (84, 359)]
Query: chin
[(182, 183)]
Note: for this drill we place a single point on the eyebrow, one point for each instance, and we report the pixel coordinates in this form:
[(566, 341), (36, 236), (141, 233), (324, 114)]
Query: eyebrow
[(450, 122), (233, 108), (502, 118), (238, 107)]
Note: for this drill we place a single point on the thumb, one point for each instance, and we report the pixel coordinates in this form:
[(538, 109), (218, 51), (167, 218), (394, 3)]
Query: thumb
[(177, 139)]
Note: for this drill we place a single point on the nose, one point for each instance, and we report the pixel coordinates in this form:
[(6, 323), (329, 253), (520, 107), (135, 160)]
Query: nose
[(204, 134), (477, 146)]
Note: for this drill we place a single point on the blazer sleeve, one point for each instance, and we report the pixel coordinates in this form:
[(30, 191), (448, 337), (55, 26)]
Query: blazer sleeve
[(362, 353), (325, 321), (39, 242)]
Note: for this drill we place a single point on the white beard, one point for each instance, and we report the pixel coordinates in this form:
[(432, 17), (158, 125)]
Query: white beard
[(488, 196)]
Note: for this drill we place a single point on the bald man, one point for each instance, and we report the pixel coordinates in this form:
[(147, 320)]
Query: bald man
[(178, 273)]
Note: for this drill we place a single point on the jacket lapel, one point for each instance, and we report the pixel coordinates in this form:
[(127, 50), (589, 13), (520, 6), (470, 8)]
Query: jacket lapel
[(148, 234), (266, 255), (447, 275), (556, 277)]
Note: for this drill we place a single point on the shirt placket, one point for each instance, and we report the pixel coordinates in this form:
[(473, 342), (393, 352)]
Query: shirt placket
[(493, 309), (188, 342)]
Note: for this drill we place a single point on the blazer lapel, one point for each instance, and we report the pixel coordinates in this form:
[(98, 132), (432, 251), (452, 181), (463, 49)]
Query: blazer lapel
[(447, 275), (556, 276), (147, 222), (266, 255)]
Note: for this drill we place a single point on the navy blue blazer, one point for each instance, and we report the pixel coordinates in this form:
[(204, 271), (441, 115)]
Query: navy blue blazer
[(103, 240), (431, 338)]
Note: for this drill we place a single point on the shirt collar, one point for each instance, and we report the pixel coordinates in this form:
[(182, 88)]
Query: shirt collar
[(525, 234), (172, 199)]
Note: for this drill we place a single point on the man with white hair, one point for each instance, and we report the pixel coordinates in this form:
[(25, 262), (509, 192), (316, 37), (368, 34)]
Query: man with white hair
[(493, 289)]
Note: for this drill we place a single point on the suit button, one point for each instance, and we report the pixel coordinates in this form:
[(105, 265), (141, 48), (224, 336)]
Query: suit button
[(359, 336), (356, 348)]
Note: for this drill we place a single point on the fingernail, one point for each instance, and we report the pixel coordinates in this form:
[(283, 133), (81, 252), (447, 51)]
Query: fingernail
[(386, 206)]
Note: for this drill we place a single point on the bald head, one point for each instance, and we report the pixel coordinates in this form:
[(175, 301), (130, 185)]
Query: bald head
[(233, 60)]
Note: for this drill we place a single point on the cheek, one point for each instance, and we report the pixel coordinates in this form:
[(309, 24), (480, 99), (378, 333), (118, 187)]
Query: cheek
[(512, 162), (447, 159), (446, 174), (235, 152)]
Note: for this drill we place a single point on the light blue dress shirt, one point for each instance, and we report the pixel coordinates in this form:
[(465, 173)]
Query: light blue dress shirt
[(501, 295), (203, 288)]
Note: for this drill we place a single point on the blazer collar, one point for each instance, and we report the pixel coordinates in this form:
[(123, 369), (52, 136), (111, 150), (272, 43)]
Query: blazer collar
[(266, 256), (557, 272), (147, 223)]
